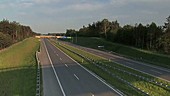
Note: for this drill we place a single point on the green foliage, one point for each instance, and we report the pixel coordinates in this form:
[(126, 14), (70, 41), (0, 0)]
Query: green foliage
[(5, 40), (18, 69), (99, 29), (167, 24), (15, 31), (165, 42), (140, 36), (150, 36), (70, 32)]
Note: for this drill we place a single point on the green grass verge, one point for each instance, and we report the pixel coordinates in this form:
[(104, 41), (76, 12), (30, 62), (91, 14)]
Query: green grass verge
[(151, 88), (130, 52), (18, 69)]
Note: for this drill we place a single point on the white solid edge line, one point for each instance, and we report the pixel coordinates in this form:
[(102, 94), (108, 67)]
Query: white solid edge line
[(54, 70), (93, 74)]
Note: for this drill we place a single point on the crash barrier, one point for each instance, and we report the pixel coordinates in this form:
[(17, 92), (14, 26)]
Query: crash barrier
[(38, 88)]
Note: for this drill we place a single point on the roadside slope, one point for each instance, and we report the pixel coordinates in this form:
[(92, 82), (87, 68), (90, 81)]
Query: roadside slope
[(18, 69), (126, 51)]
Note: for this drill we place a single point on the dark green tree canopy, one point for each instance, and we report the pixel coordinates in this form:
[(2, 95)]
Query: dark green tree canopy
[(150, 36), (13, 32)]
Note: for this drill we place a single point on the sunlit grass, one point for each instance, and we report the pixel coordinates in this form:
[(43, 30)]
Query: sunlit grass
[(18, 69)]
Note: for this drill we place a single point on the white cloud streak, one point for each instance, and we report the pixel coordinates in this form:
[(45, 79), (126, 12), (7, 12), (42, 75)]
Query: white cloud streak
[(85, 7), (45, 1), (26, 4)]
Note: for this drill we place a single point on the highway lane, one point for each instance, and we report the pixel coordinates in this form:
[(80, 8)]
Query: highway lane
[(50, 84), (72, 78), (155, 71)]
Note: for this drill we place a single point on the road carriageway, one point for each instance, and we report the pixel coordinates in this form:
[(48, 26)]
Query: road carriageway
[(62, 76)]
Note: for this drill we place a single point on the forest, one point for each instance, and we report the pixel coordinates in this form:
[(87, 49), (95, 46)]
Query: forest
[(12, 32), (149, 37)]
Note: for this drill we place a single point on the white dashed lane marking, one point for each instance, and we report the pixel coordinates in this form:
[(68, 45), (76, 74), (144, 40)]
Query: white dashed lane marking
[(76, 76), (66, 65), (60, 58)]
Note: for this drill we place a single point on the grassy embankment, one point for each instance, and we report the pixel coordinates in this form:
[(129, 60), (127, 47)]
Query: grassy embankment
[(133, 77), (130, 52), (18, 69)]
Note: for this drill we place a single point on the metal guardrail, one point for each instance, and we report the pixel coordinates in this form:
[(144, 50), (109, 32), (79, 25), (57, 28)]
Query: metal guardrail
[(38, 87)]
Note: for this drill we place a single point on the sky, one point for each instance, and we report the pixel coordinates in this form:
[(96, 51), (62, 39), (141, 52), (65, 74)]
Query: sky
[(45, 16)]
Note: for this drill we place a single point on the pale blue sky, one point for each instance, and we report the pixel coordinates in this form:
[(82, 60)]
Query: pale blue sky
[(57, 15)]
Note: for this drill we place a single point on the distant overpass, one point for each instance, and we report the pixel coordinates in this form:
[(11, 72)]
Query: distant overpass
[(43, 36)]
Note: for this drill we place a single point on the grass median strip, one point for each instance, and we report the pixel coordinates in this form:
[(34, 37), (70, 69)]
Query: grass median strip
[(18, 69), (138, 80)]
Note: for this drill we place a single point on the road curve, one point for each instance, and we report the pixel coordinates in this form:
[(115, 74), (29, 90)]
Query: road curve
[(152, 70), (62, 76)]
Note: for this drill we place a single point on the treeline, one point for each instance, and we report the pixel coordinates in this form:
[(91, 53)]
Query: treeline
[(12, 32), (150, 36)]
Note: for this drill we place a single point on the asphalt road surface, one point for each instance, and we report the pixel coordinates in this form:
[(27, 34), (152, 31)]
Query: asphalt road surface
[(155, 71), (62, 76)]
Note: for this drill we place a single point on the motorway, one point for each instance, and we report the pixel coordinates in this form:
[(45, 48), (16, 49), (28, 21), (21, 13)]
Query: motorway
[(152, 70), (62, 76)]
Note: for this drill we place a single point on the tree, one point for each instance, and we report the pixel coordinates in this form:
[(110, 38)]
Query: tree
[(114, 26), (70, 32), (105, 27), (15, 31), (153, 34), (5, 40), (150, 36), (167, 24), (125, 35), (165, 42)]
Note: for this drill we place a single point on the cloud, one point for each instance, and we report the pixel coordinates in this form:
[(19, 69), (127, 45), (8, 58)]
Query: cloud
[(118, 2), (2, 6), (148, 12), (85, 7), (26, 4), (45, 1), (70, 8), (22, 14), (124, 2), (16, 4), (61, 14)]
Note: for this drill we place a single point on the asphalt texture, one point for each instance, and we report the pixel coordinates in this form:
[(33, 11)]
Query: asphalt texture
[(62, 76), (149, 69)]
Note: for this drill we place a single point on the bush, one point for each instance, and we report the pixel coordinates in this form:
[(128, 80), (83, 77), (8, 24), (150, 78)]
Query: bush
[(5, 40)]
